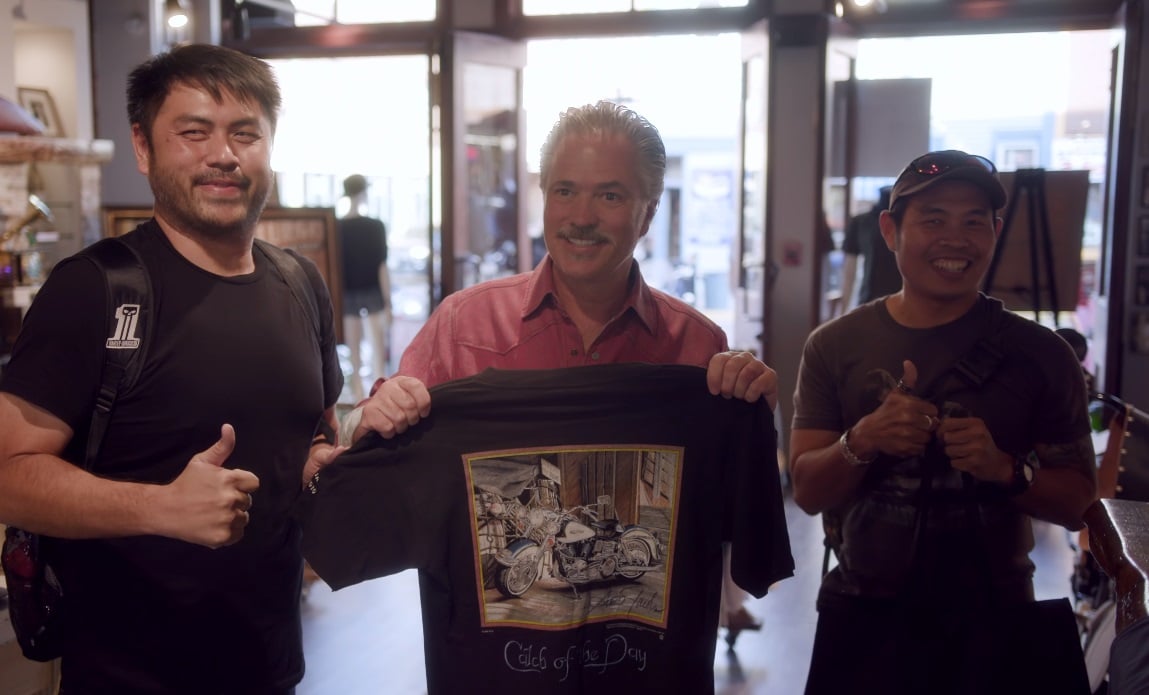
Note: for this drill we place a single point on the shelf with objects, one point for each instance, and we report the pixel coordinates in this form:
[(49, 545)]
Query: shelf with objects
[(40, 223)]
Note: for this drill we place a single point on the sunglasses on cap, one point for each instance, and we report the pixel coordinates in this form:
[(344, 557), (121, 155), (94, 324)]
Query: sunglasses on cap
[(936, 163)]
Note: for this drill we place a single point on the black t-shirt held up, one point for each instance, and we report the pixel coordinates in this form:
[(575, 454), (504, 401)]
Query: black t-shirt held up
[(507, 465)]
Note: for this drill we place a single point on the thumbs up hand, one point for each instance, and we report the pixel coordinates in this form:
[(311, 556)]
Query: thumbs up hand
[(909, 377), (901, 426), (207, 504)]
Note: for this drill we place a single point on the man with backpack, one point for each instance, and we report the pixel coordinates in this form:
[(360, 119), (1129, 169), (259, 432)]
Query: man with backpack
[(178, 558)]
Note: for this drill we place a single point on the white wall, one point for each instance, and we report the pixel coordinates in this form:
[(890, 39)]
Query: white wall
[(119, 45), (49, 50)]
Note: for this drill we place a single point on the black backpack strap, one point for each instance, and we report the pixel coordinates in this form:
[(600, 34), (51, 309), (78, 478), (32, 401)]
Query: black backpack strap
[(291, 270), (297, 281), (978, 364), (129, 331)]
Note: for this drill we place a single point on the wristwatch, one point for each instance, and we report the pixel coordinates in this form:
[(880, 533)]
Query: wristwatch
[(1024, 468), (848, 453)]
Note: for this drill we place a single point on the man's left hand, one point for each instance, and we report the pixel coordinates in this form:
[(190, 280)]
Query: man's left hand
[(970, 448), (321, 455), (738, 374)]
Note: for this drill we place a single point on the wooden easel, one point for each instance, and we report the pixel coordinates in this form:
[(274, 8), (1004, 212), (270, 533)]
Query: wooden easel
[(1030, 185)]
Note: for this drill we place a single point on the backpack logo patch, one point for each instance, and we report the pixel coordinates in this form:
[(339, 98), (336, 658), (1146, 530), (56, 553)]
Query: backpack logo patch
[(127, 320)]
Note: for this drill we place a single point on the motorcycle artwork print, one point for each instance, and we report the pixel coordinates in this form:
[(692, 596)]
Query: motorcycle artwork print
[(572, 536)]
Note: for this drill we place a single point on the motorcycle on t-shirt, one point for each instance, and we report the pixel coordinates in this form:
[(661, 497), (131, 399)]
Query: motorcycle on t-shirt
[(575, 546)]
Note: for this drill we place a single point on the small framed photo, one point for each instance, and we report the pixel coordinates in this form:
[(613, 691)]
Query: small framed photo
[(40, 104)]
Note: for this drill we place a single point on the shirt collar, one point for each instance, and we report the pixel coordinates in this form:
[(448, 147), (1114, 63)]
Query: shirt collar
[(640, 298)]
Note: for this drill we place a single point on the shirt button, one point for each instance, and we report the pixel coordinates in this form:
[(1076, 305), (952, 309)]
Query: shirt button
[(594, 355)]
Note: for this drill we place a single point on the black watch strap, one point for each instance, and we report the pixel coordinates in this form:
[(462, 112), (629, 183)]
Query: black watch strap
[(1024, 468)]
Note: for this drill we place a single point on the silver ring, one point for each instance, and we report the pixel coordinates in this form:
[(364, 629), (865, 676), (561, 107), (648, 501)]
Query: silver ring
[(901, 386)]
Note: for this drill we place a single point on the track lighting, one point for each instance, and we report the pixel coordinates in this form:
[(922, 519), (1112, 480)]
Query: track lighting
[(176, 12), (240, 21)]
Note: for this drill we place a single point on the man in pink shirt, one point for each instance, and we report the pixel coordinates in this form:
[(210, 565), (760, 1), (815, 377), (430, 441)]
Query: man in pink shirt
[(586, 303)]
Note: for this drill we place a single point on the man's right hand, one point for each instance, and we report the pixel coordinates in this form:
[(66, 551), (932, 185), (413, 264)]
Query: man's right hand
[(901, 426), (208, 504), (397, 404)]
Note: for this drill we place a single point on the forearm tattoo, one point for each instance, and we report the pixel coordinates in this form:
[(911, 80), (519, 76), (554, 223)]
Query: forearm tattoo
[(1077, 455)]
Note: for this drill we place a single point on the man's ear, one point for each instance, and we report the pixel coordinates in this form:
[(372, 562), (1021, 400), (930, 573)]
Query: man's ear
[(889, 227), (648, 217), (142, 149)]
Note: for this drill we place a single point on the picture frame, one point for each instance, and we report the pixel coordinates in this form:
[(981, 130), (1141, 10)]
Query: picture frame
[(121, 220), (309, 231), (42, 106)]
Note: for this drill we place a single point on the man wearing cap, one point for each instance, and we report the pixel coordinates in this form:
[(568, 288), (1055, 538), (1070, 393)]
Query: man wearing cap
[(927, 476)]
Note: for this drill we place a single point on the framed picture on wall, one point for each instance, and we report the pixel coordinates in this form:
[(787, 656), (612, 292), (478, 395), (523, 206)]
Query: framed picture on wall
[(119, 220), (40, 104)]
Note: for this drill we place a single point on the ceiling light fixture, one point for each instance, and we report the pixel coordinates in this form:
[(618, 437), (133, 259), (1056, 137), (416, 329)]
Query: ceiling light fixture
[(288, 7), (872, 6), (176, 12), (240, 21)]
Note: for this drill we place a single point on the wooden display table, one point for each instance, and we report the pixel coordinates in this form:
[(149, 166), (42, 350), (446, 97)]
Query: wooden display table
[(1119, 540)]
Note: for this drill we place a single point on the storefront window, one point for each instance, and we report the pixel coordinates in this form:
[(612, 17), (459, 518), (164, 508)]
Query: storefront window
[(553, 7), (375, 134), (1047, 111), (320, 12), (685, 4)]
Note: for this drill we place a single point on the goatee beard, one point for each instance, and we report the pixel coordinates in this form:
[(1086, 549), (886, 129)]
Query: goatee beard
[(194, 219)]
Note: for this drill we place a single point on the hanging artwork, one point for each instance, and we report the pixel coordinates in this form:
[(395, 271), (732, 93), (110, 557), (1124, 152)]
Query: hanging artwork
[(40, 104)]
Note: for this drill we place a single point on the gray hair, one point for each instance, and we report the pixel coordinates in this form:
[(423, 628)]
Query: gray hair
[(604, 119)]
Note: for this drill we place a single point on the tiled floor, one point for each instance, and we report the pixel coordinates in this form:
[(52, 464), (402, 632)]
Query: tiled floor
[(367, 639)]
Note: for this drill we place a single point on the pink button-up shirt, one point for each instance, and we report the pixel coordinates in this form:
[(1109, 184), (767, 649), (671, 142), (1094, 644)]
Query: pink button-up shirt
[(517, 323)]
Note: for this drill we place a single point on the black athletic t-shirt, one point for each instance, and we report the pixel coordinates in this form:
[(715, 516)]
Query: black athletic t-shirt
[(364, 244), (156, 615), (508, 459)]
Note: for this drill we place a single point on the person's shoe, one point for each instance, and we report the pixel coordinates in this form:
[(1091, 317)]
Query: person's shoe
[(738, 621)]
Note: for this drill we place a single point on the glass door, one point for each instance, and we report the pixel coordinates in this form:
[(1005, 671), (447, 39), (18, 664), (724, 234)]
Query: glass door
[(755, 268), (483, 166), (836, 279)]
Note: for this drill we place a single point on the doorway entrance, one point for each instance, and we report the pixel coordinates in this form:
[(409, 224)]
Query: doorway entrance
[(367, 116), (1025, 101)]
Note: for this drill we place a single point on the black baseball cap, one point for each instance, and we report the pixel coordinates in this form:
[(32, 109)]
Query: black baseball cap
[(949, 165), (354, 185)]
